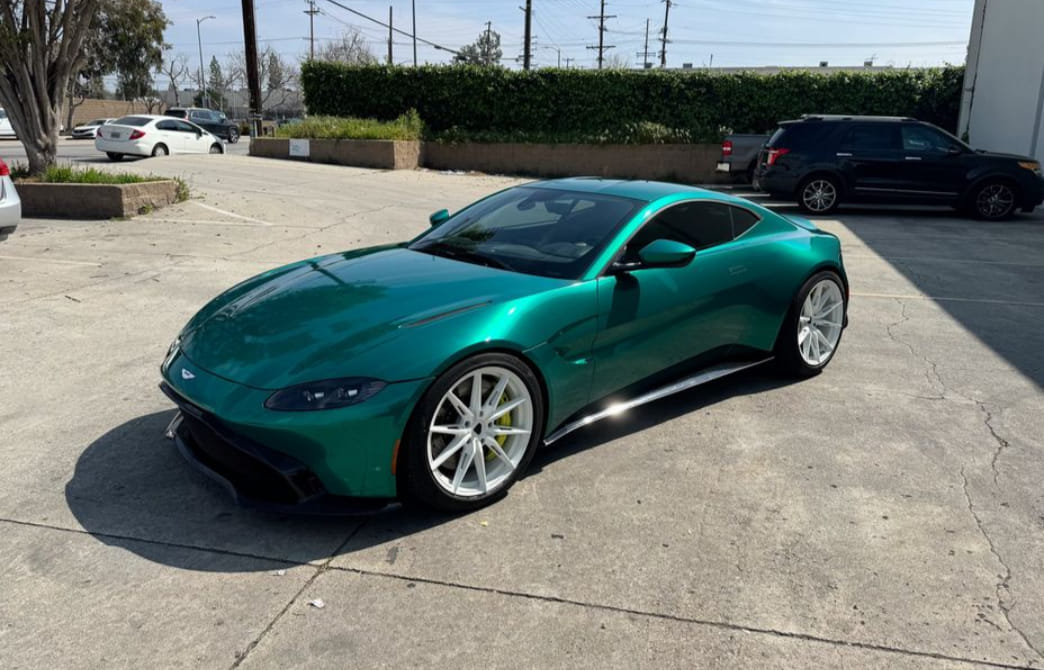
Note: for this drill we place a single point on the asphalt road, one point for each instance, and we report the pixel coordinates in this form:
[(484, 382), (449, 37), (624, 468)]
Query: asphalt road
[(83, 151), (887, 513)]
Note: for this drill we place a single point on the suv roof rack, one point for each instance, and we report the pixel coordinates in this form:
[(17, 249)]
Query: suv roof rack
[(853, 117)]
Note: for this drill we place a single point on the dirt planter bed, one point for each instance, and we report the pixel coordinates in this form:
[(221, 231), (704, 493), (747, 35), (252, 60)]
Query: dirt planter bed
[(95, 201), (382, 154)]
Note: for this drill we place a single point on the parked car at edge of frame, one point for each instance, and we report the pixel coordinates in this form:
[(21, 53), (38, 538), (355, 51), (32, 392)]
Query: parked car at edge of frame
[(10, 204), (6, 130), (89, 130), (212, 120), (154, 135), (739, 155), (432, 370), (825, 160)]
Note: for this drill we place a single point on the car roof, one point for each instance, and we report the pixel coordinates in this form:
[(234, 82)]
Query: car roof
[(850, 117), (647, 191)]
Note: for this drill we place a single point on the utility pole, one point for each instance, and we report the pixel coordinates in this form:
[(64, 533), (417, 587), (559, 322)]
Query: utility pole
[(645, 53), (253, 78), (413, 3), (391, 61), (569, 60), (601, 34), (663, 39), (311, 12), (527, 54)]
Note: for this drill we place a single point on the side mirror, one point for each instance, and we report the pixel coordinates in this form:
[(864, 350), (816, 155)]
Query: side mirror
[(666, 254), (438, 217), (954, 151)]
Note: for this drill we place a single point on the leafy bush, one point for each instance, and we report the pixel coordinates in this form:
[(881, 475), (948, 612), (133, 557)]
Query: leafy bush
[(468, 102), (68, 174), (644, 132), (408, 126)]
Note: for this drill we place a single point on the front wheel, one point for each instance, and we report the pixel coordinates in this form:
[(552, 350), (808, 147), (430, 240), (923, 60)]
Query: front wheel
[(812, 329), (233, 136), (819, 194), (216, 148), (993, 201), (113, 156), (472, 434)]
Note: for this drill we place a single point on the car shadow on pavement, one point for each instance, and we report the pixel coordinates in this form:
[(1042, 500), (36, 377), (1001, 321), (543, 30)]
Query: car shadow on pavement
[(131, 489)]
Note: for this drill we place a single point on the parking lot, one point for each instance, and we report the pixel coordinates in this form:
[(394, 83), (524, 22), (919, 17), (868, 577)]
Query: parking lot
[(887, 513)]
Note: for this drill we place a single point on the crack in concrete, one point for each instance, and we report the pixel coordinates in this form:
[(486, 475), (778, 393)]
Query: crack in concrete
[(1002, 444), (931, 372), (327, 566), (1002, 589), (242, 656)]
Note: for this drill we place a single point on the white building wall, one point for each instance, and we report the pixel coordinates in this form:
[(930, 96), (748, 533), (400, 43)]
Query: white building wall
[(1003, 102)]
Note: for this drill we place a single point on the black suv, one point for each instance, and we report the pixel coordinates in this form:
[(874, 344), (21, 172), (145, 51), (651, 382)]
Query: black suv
[(212, 121), (822, 161)]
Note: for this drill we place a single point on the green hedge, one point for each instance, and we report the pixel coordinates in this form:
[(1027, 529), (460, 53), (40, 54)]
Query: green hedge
[(467, 100)]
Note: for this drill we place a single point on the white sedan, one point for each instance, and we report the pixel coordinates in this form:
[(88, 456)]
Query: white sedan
[(153, 135), (10, 204), (89, 130)]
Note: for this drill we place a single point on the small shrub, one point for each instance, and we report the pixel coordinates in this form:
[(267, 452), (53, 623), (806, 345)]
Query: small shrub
[(406, 127)]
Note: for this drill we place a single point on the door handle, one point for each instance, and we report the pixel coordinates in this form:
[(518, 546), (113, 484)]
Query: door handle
[(913, 158), (843, 153)]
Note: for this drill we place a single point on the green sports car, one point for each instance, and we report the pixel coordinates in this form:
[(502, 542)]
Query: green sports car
[(431, 370)]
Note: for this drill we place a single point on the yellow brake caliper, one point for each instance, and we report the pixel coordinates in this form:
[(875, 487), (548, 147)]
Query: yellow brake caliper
[(502, 421)]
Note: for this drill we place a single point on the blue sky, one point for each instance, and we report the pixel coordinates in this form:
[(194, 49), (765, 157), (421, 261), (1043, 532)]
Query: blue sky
[(733, 32)]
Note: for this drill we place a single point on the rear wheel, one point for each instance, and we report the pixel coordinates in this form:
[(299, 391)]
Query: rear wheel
[(160, 150), (993, 201), (216, 148), (113, 156), (472, 434), (819, 194), (812, 329), (233, 135)]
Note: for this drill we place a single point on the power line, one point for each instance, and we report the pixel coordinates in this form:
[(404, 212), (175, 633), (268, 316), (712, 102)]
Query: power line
[(401, 32)]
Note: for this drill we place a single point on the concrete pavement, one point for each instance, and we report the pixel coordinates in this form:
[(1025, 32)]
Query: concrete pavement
[(886, 513)]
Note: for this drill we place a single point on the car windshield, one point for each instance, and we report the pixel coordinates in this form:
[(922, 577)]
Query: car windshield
[(542, 231), (133, 121)]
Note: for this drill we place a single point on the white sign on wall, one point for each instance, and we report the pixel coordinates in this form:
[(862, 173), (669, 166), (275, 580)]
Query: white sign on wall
[(299, 148)]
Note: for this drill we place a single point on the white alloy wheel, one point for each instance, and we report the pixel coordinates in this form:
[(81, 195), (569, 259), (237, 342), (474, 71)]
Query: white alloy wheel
[(819, 195), (480, 432), (819, 324)]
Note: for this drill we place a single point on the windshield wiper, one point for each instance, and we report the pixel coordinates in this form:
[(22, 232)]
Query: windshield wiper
[(447, 250)]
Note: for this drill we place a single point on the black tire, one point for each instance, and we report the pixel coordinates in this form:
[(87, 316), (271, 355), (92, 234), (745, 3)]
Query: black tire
[(216, 148), (233, 135), (750, 172), (113, 156), (993, 200), (416, 482), (819, 194), (160, 150), (787, 351)]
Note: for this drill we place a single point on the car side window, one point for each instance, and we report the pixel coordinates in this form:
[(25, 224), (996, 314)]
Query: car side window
[(698, 224), (870, 137), (166, 125), (742, 220), (185, 127), (923, 139)]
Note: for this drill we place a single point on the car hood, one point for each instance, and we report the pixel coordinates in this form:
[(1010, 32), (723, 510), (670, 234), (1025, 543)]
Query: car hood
[(341, 315), (997, 154)]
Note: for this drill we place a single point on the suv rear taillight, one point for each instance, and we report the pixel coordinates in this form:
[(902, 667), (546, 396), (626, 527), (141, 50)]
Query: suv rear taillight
[(775, 154), (4, 171), (137, 134), (726, 148)]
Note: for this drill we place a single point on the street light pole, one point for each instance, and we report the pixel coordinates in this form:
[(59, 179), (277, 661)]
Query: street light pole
[(202, 80)]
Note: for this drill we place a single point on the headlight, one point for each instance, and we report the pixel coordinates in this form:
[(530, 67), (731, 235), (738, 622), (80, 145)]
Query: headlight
[(326, 394), (172, 351), (1032, 166)]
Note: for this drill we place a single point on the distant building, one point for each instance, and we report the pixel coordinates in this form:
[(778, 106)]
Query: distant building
[(1002, 106)]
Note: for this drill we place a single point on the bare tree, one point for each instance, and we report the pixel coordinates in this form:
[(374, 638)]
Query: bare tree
[(41, 47), (617, 61), (351, 49), (175, 68), (278, 76)]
